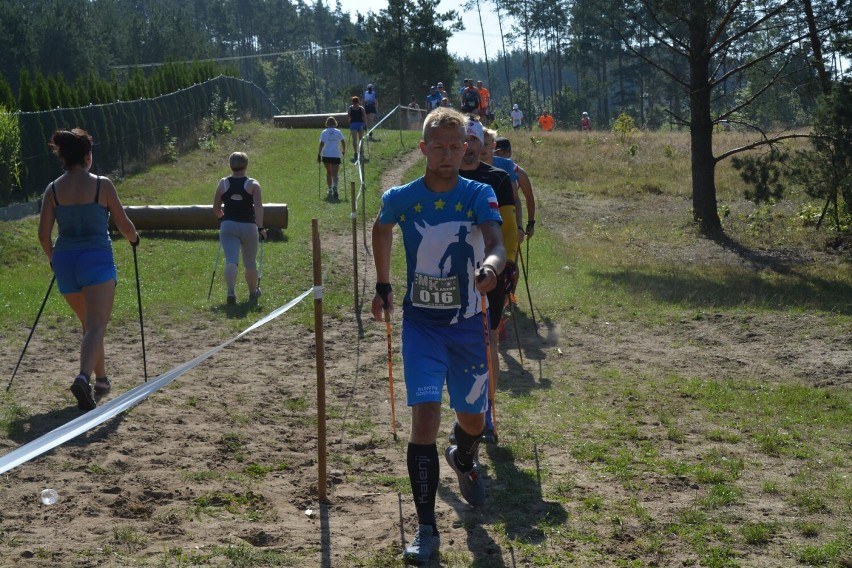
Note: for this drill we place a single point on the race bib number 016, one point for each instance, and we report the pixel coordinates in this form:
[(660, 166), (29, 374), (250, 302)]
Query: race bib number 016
[(438, 292)]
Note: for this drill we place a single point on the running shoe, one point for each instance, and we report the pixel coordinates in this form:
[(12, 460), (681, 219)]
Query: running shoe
[(489, 435), (425, 545), (470, 484), (102, 386), (82, 391)]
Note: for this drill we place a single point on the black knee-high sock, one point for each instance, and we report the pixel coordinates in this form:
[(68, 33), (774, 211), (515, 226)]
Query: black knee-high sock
[(468, 444), (424, 474)]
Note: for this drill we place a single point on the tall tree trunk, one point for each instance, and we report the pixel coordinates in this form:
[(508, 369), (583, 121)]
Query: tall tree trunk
[(816, 46), (704, 207), (527, 51), (505, 56), (484, 45)]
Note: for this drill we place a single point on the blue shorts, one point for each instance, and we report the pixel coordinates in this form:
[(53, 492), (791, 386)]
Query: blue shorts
[(433, 355), (356, 126), (76, 269)]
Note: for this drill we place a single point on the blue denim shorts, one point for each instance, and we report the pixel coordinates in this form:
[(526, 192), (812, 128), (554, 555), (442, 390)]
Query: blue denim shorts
[(433, 355), (76, 269)]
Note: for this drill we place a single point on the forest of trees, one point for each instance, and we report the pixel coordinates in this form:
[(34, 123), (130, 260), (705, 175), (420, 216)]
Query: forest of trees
[(563, 55), (687, 65)]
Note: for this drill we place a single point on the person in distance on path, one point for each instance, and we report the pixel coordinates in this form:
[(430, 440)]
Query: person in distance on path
[(454, 251), (332, 147), (474, 168), (585, 122), (81, 257), (546, 121), (371, 106), (517, 117), (238, 205), (357, 120)]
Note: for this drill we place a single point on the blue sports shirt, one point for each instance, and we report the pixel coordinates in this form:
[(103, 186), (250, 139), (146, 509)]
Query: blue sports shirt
[(443, 245)]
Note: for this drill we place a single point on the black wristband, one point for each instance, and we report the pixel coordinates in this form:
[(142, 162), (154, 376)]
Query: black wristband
[(383, 289), (530, 225)]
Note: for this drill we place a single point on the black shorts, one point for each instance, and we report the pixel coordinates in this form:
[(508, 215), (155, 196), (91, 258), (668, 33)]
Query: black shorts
[(370, 108), (327, 160)]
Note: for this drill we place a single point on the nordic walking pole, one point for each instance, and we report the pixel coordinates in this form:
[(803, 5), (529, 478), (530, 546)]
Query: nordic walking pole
[(215, 266), (344, 176), (491, 386), (139, 301), (527, 284), (318, 180), (260, 265), (35, 323), (320, 362), (390, 372)]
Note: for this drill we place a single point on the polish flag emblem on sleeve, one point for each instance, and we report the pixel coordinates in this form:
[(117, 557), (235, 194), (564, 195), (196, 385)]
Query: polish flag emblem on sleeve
[(492, 203)]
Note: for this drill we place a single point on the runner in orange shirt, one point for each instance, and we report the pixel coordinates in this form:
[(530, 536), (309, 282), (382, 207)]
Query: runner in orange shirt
[(546, 122), (484, 97)]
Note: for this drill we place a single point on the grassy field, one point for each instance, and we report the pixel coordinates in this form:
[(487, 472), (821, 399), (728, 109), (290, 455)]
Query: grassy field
[(684, 402)]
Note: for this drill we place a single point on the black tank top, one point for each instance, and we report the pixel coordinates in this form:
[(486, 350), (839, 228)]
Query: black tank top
[(237, 202), (356, 114)]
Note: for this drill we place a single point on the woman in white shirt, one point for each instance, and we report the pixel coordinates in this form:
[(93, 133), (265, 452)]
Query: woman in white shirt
[(332, 147)]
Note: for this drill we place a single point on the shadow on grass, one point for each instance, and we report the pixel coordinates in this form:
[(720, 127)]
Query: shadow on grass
[(535, 337), (514, 499), (737, 291), (25, 430), (239, 310), (274, 235)]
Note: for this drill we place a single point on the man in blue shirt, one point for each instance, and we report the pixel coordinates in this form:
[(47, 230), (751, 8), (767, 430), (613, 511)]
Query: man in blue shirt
[(454, 250)]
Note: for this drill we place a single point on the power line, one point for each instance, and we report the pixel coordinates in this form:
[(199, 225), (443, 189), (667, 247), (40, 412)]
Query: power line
[(238, 57)]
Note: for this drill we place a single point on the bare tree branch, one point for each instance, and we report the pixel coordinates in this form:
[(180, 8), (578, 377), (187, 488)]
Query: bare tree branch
[(765, 142)]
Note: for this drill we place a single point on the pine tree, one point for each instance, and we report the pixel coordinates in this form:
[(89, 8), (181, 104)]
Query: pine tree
[(26, 93)]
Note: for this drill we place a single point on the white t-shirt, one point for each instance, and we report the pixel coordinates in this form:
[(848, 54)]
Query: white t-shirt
[(517, 117), (331, 138)]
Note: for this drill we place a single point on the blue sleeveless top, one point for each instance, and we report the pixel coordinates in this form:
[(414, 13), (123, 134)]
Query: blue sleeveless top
[(82, 227)]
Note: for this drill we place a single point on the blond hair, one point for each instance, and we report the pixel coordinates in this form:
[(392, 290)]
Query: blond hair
[(442, 117), (331, 122), (490, 135), (238, 161)]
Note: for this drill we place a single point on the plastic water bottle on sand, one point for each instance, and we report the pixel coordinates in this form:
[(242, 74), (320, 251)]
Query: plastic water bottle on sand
[(49, 496)]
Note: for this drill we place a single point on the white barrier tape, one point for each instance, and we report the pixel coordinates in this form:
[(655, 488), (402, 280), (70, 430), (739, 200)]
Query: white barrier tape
[(353, 216), (124, 401), (317, 292)]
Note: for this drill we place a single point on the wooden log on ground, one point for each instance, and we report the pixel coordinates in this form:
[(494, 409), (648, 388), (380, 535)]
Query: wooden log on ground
[(310, 120), (193, 217)]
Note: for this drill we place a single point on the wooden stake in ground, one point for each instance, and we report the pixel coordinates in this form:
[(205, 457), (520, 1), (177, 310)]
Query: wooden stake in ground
[(320, 358)]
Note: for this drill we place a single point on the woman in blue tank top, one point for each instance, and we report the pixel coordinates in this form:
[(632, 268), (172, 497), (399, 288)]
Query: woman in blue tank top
[(81, 257)]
